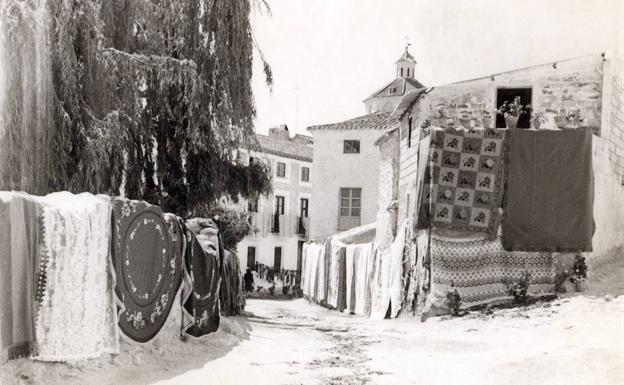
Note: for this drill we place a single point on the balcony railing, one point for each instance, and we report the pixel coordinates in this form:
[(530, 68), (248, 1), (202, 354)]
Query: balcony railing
[(271, 224), (275, 226), (301, 225)]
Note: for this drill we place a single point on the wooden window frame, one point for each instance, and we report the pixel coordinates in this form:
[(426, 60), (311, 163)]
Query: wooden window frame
[(348, 142), (277, 169)]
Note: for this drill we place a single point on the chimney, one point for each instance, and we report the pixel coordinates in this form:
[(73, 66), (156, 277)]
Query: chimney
[(279, 132)]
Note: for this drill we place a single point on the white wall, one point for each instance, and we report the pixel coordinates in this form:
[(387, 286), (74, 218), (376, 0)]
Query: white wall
[(332, 169)]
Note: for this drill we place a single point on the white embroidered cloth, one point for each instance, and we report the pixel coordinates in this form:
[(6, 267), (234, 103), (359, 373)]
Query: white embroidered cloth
[(77, 319)]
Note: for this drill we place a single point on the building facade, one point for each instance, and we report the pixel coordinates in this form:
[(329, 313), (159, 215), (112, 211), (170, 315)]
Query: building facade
[(345, 173), (346, 159), (281, 219), (594, 85)]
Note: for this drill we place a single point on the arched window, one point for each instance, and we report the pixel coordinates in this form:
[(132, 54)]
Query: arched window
[(401, 71), (408, 72)]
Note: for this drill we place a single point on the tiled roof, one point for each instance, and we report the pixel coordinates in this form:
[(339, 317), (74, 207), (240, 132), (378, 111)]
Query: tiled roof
[(375, 121), (291, 148), (401, 85)]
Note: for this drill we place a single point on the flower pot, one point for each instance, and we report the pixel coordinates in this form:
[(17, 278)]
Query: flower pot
[(486, 122), (580, 285), (511, 121), (560, 121), (465, 122)]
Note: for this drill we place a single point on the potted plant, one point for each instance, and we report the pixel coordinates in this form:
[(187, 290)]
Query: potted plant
[(579, 273), (464, 119), (440, 116), (538, 119), (511, 111), (560, 119), (486, 119), (573, 118)]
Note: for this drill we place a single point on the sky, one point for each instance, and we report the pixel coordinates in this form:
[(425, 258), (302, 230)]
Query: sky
[(327, 56)]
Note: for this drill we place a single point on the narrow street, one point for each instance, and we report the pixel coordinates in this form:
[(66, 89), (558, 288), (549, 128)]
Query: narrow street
[(576, 340), (569, 341)]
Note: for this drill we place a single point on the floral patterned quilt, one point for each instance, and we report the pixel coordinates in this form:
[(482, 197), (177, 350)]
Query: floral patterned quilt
[(462, 185)]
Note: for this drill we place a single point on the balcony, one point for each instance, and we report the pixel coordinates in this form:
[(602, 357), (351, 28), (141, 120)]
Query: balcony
[(303, 224)]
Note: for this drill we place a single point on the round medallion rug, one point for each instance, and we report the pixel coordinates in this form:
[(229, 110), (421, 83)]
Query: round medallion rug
[(147, 255)]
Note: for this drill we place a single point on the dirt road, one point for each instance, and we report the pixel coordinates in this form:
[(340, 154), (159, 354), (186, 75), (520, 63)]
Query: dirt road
[(578, 340)]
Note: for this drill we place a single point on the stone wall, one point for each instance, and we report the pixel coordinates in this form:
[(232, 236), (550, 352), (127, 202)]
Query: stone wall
[(566, 85)]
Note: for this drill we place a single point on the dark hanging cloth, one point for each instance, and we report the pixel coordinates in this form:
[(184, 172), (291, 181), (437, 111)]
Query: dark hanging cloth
[(147, 255), (200, 293), (550, 194), (19, 282), (342, 279), (231, 293)]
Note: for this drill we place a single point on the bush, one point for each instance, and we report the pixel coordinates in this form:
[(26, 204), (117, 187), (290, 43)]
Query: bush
[(579, 270), (519, 289)]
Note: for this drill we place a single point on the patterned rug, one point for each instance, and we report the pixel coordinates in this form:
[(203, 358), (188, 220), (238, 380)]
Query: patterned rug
[(480, 269), (200, 293), (147, 256), (462, 186)]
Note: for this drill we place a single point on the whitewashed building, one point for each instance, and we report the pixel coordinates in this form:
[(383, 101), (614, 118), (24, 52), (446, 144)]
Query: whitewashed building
[(281, 219), (345, 174)]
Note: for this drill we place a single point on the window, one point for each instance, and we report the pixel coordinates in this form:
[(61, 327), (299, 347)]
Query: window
[(277, 259), (303, 207), (408, 72), (252, 205), (409, 132), (305, 174), (401, 71), (281, 169), (503, 94), (350, 208), (251, 257), (279, 205), (351, 147)]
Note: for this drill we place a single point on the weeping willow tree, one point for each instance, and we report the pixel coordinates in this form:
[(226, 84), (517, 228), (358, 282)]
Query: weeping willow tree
[(146, 97)]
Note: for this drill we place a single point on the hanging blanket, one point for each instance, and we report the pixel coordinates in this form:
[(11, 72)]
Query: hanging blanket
[(231, 292), (395, 284), (380, 284), (200, 292), (363, 266), (351, 254), (311, 252), (480, 269), (342, 279), (550, 193), (77, 318), (424, 148), (320, 295), (334, 274), (18, 260), (147, 255), (463, 183)]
